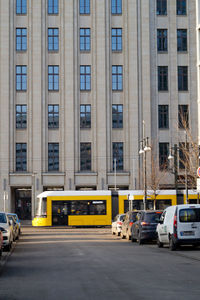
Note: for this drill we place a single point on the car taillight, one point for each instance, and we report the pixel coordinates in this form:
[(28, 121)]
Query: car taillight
[(144, 223), (175, 226), (119, 223), (130, 224)]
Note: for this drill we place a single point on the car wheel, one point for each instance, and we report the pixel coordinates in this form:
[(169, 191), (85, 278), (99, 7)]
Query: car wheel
[(118, 233), (172, 244), (122, 235), (113, 232), (159, 243), (140, 240), (133, 240)]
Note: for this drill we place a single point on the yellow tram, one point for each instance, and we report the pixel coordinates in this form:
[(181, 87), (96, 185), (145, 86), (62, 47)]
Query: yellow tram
[(73, 208), (159, 200), (98, 208)]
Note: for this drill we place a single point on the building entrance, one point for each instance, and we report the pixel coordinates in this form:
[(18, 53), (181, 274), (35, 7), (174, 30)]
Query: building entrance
[(23, 203)]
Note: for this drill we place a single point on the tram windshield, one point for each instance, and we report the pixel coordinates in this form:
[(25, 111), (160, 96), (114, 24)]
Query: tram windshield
[(41, 207)]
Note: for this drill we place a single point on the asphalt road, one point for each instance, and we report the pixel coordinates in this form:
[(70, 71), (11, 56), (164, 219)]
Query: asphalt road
[(92, 264)]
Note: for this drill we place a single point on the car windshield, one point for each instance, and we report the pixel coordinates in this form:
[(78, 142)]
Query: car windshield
[(189, 215), (121, 218), (133, 216), (3, 218), (153, 217)]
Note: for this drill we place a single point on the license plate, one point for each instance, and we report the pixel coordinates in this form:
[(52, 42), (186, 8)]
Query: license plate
[(186, 233)]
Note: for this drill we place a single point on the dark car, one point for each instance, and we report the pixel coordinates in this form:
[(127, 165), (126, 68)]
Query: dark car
[(144, 229), (129, 219)]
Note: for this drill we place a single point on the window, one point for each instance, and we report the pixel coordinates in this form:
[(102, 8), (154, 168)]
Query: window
[(84, 39), (85, 116), (53, 157), (183, 155), (85, 78), (53, 78), (163, 116), (21, 7), (21, 39), (21, 78), (189, 215), (118, 156), (182, 78), (84, 6), (163, 78), (116, 39), (85, 157), (21, 116), (117, 116), (89, 207), (181, 39), (116, 7), (53, 116), (183, 116), (161, 7), (117, 78), (53, 39), (21, 160), (163, 155), (181, 7), (53, 7), (162, 40)]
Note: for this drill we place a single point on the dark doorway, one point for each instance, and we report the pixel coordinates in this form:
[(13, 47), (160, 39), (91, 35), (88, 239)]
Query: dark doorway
[(23, 203), (60, 212)]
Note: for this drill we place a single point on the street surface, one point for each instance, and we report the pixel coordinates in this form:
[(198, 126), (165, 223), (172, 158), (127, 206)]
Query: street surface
[(59, 263)]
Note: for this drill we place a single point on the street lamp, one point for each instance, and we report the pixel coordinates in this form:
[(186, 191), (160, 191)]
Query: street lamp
[(144, 147)]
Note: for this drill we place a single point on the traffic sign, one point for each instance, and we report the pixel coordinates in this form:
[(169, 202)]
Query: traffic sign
[(198, 172)]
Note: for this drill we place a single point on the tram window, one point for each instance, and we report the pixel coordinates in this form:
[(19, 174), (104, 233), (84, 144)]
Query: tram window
[(88, 207), (162, 204), (44, 207), (192, 201), (97, 208)]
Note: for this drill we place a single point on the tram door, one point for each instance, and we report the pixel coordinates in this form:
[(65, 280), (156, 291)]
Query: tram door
[(60, 212)]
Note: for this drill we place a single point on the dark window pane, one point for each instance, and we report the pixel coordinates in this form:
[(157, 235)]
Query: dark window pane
[(163, 155), (118, 156), (163, 78), (163, 116), (161, 7)]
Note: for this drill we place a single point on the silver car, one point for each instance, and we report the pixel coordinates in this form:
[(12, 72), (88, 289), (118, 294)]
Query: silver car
[(6, 228), (117, 224)]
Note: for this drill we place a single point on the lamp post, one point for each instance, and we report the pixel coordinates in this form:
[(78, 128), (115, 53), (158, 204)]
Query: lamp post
[(144, 147)]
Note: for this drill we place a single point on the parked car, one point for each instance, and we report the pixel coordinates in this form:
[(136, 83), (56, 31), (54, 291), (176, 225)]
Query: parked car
[(129, 219), (144, 229), (15, 227), (16, 224), (117, 224), (179, 225), (6, 227), (1, 243), (17, 220)]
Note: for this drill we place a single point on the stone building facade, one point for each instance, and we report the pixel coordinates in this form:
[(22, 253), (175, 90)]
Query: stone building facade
[(77, 80)]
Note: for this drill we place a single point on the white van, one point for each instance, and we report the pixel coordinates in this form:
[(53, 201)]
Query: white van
[(179, 225)]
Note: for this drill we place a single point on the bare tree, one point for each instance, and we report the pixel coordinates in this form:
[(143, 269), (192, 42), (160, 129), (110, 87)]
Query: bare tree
[(188, 156), (158, 176)]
